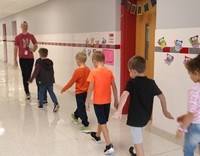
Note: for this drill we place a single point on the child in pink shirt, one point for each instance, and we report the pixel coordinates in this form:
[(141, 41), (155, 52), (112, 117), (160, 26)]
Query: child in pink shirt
[(190, 122)]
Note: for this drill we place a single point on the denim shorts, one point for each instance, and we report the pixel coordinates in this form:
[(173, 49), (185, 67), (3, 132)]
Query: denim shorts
[(137, 134), (192, 139), (102, 113)]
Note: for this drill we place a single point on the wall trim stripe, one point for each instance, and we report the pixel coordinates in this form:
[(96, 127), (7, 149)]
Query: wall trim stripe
[(184, 50), (108, 46)]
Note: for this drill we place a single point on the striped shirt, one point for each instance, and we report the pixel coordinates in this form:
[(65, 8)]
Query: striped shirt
[(194, 102)]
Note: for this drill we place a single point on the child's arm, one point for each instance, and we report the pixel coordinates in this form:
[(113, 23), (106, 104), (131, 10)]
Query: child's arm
[(35, 73), (186, 121), (118, 113), (164, 106), (180, 118), (70, 83), (114, 88), (89, 94)]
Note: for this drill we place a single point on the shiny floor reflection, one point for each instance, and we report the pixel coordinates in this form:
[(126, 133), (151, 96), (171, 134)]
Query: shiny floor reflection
[(25, 130)]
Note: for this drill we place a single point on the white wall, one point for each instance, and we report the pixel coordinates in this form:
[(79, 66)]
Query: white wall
[(177, 14), (173, 79), (68, 21)]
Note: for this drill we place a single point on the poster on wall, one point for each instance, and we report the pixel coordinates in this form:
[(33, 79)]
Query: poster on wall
[(186, 60), (169, 59), (133, 9), (139, 10), (162, 42), (146, 7), (109, 56), (178, 45), (194, 41)]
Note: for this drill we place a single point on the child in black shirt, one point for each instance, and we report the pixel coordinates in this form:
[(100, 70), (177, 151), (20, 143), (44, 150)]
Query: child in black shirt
[(142, 91)]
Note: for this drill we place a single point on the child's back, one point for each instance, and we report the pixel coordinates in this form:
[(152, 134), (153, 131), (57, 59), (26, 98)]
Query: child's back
[(142, 91)]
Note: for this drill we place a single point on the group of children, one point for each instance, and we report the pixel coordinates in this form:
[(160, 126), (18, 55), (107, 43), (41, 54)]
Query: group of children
[(140, 89)]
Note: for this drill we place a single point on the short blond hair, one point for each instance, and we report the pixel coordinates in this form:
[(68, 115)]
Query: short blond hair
[(24, 22), (98, 56), (81, 56)]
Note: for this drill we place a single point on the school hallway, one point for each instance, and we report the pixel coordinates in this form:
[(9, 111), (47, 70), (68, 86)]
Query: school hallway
[(27, 130)]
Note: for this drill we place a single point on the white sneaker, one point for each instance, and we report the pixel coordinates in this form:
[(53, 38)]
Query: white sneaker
[(109, 149)]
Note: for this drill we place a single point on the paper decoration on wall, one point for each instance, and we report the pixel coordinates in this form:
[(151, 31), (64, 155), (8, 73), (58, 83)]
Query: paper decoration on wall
[(169, 59), (94, 50), (186, 60), (103, 42), (123, 2), (128, 5), (133, 9), (139, 10), (97, 43), (89, 52), (178, 45), (87, 42), (162, 42), (153, 2), (92, 42), (109, 56), (194, 41), (84, 50), (146, 7)]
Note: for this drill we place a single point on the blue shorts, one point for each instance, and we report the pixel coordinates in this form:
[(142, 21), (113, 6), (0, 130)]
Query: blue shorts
[(137, 134), (102, 113)]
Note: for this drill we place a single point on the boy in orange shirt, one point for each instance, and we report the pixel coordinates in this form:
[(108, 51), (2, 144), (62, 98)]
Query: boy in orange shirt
[(101, 79), (80, 78)]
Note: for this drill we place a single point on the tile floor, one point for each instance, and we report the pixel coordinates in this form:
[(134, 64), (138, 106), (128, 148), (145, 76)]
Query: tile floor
[(25, 130)]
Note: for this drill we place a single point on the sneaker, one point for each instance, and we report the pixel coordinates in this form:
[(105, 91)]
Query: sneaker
[(45, 102), (85, 129), (131, 151), (95, 138), (74, 119), (40, 106), (56, 108), (109, 149), (28, 96)]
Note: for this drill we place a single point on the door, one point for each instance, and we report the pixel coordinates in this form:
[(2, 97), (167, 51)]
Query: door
[(5, 43), (137, 38), (145, 37)]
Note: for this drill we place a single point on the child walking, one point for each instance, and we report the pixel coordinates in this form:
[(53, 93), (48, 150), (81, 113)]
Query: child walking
[(80, 78), (101, 79), (142, 91), (45, 76), (38, 86), (190, 122)]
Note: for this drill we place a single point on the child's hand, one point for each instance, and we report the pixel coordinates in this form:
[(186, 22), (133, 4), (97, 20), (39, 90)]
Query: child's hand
[(180, 118), (168, 115), (61, 92), (116, 104), (179, 134), (117, 115), (87, 106)]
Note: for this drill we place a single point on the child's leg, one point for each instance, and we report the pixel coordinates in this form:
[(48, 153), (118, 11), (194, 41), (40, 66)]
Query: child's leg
[(191, 140), (41, 95), (45, 96), (98, 130), (139, 149), (38, 92), (137, 134), (52, 94), (105, 132), (81, 109)]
